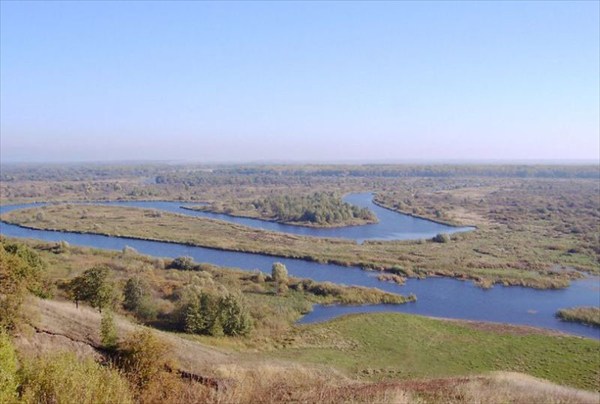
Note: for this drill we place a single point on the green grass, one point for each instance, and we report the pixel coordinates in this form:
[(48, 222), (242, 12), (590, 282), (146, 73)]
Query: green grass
[(392, 345)]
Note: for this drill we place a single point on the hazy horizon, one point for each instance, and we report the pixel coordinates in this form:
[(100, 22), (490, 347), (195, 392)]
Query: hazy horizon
[(324, 82)]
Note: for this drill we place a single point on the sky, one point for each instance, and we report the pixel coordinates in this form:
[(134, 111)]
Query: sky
[(299, 81)]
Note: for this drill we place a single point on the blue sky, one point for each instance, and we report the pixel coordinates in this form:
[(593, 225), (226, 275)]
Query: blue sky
[(243, 81)]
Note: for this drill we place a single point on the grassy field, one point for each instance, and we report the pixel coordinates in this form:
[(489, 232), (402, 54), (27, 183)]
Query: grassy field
[(513, 259), (389, 346)]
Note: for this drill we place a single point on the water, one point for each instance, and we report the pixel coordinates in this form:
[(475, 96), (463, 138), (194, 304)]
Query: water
[(440, 297), (391, 225)]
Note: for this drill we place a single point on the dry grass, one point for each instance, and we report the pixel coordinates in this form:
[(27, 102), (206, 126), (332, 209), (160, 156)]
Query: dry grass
[(518, 388), (248, 378)]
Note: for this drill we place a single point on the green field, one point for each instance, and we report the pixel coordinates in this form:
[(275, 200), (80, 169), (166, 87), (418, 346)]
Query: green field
[(388, 346)]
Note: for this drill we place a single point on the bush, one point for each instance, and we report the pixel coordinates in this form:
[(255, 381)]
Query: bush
[(441, 238), (108, 330), (62, 378), (31, 273), (183, 263), (12, 289), (9, 381), (143, 357), (279, 274)]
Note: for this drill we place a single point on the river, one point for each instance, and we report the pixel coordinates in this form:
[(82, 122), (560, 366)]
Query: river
[(439, 297)]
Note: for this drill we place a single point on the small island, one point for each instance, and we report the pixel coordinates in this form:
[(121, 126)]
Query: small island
[(584, 315), (320, 209)]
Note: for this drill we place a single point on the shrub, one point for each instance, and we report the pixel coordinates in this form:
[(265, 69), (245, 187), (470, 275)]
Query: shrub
[(9, 381), (279, 274), (183, 263), (108, 330), (258, 277), (441, 238), (62, 378), (143, 357), (12, 289)]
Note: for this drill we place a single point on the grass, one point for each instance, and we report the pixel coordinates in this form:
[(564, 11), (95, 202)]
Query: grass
[(388, 346), (470, 256), (584, 315)]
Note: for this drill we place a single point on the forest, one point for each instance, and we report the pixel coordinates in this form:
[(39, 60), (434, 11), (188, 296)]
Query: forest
[(319, 208)]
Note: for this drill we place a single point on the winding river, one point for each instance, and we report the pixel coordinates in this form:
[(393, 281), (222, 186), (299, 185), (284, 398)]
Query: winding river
[(390, 226), (438, 297)]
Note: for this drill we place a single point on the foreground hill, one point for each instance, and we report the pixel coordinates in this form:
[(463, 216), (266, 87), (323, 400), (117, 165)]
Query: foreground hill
[(227, 376)]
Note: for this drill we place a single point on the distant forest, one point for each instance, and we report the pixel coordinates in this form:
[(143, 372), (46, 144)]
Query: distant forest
[(197, 174)]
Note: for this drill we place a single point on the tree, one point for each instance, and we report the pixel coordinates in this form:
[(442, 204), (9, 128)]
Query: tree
[(234, 316), (195, 321), (279, 274), (93, 287), (203, 315), (134, 292), (137, 298), (20, 271)]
